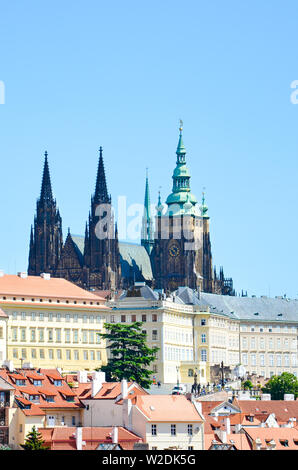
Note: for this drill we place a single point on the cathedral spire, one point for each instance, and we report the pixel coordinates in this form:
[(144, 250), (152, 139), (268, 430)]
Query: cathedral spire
[(101, 191), (204, 207), (46, 194), (147, 229)]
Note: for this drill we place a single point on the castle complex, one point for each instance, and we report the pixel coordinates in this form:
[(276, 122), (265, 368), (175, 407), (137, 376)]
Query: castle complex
[(177, 253)]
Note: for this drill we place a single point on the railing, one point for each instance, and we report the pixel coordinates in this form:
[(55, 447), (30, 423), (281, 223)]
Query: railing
[(4, 404)]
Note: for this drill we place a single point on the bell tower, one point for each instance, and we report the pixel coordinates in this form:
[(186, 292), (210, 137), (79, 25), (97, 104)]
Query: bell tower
[(177, 256)]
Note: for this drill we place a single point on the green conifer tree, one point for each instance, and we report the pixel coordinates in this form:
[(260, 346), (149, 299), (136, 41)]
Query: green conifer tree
[(34, 441), (130, 356)]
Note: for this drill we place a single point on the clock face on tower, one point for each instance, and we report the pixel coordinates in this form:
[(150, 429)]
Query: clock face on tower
[(174, 251)]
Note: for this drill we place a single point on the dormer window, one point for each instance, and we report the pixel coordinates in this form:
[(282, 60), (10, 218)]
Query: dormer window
[(34, 398), (37, 382), (20, 382), (50, 398), (57, 383), (70, 398)]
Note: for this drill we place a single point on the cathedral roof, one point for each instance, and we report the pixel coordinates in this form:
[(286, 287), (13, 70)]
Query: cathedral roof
[(134, 258)]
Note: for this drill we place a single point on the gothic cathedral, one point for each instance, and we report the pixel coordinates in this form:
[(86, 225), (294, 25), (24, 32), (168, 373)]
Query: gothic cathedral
[(177, 253)]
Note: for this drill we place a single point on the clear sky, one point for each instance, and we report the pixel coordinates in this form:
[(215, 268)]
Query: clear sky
[(121, 74)]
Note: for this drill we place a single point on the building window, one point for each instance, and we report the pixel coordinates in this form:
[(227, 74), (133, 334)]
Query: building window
[(153, 430), (253, 359), (14, 334), (85, 339), (73, 420), (262, 359), (189, 429), (203, 338), (98, 338), (41, 353), (75, 336), (67, 336), (98, 355), (58, 336), (91, 337), (59, 354), (24, 354), (203, 321), (50, 318), (51, 354), (33, 335), (190, 372), (154, 317), (92, 356), (173, 429), (75, 318), (154, 335), (23, 315), (76, 355), (41, 335), (33, 353), (154, 368), (23, 334), (1, 333), (84, 318), (203, 355), (41, 317), (50, 334), (144, 318), (67, 317), (85, 355), (68, 355), (271, 360), (58, 316), (112, 318)]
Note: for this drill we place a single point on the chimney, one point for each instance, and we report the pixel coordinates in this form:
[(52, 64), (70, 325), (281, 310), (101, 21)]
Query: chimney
[(127, 414), (228, 425), (124, 388), (215, 416), (115, 435), (258, 443), (96, 387), (23, 275), (289, 397), (97, 375), (46, 276), (79, 441), (82, 376)]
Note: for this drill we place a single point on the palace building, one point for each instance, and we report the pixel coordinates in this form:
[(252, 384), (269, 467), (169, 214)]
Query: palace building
[(176, 252)]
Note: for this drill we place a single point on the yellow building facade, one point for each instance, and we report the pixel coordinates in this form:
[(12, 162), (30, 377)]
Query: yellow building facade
[(51, 323)]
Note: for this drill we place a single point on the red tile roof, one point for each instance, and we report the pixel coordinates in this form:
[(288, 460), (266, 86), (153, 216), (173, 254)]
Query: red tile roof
[(64, 438), (46, 389), (166, 408), (36, 286), (279, 435)]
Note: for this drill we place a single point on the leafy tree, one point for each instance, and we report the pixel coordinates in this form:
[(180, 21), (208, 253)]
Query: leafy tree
[(278, 385), (247, 385), (4, 447), (34, 441), (130, 356)]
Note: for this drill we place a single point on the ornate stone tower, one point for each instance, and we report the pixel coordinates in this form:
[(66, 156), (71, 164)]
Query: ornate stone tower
[(46, 239), (181, 255), (101, 249)]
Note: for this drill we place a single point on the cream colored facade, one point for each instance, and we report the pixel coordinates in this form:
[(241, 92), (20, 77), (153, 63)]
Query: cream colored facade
[(58, 325), (190, 338), (55, 336), (269, 348)]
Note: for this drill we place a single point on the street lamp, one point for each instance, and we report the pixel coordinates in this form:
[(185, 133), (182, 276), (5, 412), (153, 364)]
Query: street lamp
[(177, 369)]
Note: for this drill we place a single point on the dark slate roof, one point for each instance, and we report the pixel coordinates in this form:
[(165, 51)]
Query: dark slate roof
[(145, 292), (253, 308), (134, 259)]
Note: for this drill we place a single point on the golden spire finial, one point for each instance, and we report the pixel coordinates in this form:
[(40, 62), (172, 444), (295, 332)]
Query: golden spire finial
[(181, 125)]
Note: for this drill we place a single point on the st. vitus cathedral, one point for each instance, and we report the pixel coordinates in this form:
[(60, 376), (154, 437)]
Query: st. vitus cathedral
[(177, 253)]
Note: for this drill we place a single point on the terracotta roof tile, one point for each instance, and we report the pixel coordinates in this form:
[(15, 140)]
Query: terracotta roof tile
[(36, 286), (166, 408)]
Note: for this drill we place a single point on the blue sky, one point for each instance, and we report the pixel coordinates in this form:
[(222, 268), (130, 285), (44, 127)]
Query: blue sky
[(120, 74)]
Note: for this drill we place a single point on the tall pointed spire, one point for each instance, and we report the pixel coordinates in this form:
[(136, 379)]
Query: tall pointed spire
[(46, 194), (101, 191), (147, 228), (204, 207)]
